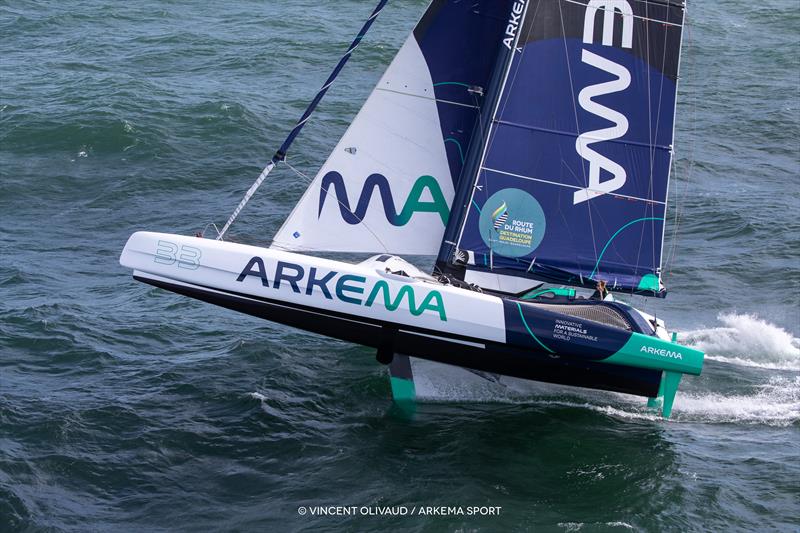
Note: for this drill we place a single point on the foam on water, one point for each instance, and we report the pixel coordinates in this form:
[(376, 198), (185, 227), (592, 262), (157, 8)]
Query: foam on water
[(747, 340), (578, 526), (774, 403)]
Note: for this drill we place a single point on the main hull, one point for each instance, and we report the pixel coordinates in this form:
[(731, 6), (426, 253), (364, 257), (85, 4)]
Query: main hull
[(398, 314)]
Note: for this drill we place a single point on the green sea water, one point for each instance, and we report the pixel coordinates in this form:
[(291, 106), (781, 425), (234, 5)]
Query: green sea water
[(126, 408)]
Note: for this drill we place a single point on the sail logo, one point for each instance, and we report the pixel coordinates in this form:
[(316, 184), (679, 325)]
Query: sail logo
[(333, 182), (512, 223), (500, 215), (347, 288), (598, 162), (514, 21)]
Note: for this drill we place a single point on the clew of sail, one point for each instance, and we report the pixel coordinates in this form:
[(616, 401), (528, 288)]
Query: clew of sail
[(579, 149), (388, 185)]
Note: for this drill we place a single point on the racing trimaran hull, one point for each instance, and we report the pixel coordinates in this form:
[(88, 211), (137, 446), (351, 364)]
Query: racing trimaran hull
[(401, 315)]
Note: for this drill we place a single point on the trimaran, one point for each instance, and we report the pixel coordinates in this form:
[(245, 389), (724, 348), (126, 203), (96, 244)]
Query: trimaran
[(525, 143)]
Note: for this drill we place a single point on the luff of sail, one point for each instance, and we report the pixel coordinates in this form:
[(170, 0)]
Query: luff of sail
[(389, 183), (580, 147)]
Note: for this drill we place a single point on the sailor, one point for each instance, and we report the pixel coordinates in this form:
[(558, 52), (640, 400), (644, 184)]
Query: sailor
[(600, 291)]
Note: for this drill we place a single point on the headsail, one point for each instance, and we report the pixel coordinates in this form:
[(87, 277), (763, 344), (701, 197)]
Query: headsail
[(389, 183), (571, 186)]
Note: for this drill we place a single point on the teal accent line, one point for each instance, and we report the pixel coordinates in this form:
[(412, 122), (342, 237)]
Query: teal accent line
[(476, 206), (451, 83), (594, 271), (524, 323), (460, 150)]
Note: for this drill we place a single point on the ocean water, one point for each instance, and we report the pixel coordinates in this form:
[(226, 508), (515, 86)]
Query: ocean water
[(126, 408)]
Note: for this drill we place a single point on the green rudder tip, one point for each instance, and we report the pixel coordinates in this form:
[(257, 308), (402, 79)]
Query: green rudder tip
[(670, 382), (403, 390), (401, 379)]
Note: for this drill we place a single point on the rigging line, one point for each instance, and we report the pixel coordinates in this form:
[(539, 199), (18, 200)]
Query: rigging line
[(412, 95), (513, 78), (680, 199), (666, 262), (280, 155), (672, 143), (577, 123), (495, 122), (472, 194), (342, 204), (486, 183), (651, 147), (657, 253)]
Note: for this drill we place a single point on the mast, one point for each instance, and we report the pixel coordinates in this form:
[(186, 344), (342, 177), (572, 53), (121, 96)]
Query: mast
[(446, 261)]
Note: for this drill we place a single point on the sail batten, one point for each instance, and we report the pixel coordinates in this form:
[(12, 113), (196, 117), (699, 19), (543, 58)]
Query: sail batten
[(531, 178)]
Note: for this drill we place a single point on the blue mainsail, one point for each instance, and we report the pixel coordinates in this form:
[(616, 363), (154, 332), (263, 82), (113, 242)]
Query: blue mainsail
[(578, 152)]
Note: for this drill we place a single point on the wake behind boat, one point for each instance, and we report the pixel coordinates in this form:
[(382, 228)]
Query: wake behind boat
[(532, 143)]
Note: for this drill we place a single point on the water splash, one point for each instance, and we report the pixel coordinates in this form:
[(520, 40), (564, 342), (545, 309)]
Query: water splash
[(774, 403), (747, 340)]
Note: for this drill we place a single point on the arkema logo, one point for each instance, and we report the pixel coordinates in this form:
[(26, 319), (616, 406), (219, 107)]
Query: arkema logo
[(599, 163), (662, 352), (348, 288), (333, 183)]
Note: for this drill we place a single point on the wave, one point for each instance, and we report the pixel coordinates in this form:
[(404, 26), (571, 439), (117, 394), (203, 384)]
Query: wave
[(747, 340), (774, 403)]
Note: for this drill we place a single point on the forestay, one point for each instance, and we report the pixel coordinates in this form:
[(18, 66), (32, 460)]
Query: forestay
[(571, 186), (389, 183)]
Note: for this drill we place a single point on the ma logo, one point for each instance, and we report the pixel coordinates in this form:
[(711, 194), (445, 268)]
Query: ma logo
[(597, 161), (333, 182)]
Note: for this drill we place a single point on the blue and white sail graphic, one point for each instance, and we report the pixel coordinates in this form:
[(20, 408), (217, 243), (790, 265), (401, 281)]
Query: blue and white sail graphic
[(583, 126), (388, 184)]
